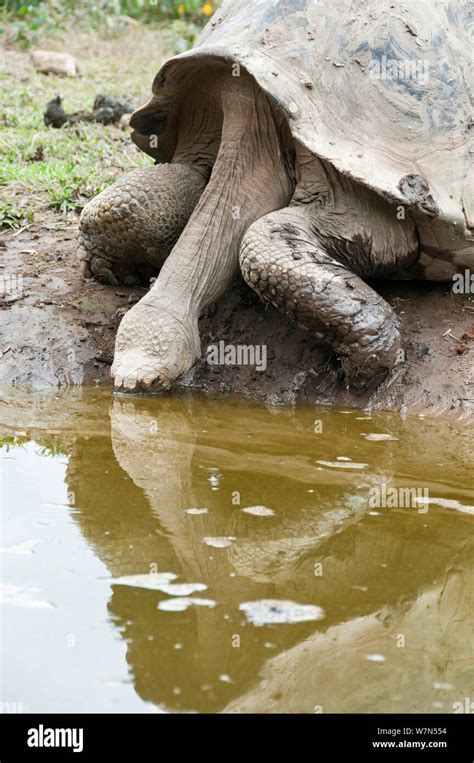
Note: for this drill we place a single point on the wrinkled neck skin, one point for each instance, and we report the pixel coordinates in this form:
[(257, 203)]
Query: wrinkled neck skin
[(249, 179)]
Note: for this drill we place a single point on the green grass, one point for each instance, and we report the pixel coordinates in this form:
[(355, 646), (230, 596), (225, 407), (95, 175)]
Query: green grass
[(43, 167), (14, 217), (465, 300), (77, 162)]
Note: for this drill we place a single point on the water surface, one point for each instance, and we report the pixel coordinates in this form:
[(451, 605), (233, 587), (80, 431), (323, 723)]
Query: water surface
[(181, 554)]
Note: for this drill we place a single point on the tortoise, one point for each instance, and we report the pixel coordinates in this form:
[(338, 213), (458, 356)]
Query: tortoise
[(312, 143)]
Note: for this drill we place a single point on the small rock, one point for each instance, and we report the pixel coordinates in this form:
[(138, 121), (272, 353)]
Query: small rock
[(50, 62)]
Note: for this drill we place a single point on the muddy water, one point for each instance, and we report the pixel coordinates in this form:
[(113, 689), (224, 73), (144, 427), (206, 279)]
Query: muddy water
[(176, 554)]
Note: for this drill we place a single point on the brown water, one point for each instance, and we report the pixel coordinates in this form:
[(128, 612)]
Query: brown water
[(315, 601)]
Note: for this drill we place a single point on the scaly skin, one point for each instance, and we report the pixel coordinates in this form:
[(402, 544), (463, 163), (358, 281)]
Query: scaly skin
[(129, 229), (302, 258)]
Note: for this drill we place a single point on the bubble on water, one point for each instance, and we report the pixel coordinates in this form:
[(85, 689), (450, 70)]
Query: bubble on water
[(259, 511), (152, 581), (379, 437), (275, 611), (447, 503), (214, 479), (182, 589), (27, 598), (160, 581), (225, 678), (24, 548), (181, 604), (342, 464), (222, 542), (375, 657), (196, 511)]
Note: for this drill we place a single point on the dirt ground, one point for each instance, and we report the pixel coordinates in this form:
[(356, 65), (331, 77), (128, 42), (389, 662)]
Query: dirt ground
[(60, 329), (56, 328)]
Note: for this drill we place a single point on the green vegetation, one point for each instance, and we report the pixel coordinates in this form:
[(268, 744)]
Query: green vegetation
[(14, 217), (46, 448), (120, 45), (60, 169), (24, 23), (465, 300)]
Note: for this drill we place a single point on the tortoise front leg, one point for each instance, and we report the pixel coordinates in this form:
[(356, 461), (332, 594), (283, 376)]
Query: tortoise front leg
[(158, 339), (291, 263), (128, 230)]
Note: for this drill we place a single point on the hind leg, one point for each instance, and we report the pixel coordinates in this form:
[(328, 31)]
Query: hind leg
[(127, 231), (308, 263)]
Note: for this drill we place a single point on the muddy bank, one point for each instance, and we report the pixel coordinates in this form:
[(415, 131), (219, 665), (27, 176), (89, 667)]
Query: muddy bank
[(57, 329)]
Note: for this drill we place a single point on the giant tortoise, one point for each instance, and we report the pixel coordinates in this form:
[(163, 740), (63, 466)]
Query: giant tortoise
[(313, 143)]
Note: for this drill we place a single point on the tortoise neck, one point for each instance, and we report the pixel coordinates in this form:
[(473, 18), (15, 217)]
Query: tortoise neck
[(248, 180)]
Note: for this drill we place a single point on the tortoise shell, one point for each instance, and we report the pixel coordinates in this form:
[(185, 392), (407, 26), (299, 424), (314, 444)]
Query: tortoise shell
[(378, 88)]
